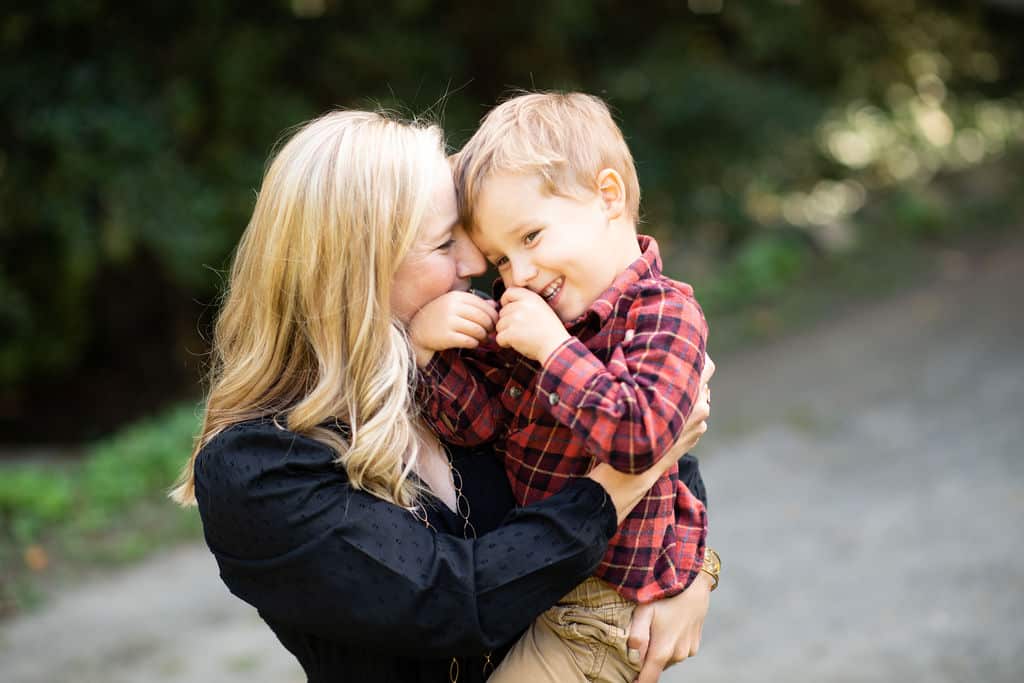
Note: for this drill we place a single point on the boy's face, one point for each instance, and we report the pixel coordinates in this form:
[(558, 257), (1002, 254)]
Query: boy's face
[(565, 249)]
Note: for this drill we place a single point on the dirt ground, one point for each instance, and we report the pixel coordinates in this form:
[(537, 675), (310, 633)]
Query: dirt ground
[(867, 498)]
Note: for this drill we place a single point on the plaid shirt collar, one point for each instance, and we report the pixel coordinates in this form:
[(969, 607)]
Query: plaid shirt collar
[(647, 266)]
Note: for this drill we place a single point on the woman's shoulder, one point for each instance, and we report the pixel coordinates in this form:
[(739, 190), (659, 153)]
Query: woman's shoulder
[(257, 454), (254, 479), (262, 440)]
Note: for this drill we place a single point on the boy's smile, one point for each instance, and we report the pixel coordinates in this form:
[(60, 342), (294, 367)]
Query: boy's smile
[(568, 250), (550, 292)]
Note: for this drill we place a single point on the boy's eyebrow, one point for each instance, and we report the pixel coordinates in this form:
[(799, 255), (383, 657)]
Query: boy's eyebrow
[(526, 223)]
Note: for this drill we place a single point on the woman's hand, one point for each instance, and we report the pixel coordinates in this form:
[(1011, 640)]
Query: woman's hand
[(668, 631), (626, 490)]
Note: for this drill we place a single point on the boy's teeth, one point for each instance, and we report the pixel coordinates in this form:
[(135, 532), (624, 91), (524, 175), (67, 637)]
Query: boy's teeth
[(552, 289)]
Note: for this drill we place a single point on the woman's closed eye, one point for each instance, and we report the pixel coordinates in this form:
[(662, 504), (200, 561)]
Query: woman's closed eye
[(447, 245)]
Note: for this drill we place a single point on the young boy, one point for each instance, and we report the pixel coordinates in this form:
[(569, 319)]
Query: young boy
[(597, 357)]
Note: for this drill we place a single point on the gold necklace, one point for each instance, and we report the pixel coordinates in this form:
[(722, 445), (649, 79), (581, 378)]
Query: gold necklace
[(468, 531)]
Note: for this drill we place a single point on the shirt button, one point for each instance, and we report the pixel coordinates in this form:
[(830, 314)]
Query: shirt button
[(515, 392), (552, 398)]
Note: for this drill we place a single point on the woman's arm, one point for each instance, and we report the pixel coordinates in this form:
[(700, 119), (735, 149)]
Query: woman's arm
[(296, 541), (668, 631)]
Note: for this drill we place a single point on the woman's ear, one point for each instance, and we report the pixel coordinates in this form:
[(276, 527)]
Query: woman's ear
[(612, 191)]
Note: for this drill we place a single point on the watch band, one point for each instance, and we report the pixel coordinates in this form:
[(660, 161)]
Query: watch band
[(712, 566)]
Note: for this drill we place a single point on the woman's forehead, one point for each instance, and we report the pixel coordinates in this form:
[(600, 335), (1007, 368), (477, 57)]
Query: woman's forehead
[(443, 215)]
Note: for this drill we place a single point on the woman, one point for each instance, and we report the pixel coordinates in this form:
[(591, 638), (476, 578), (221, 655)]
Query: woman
[(370, 552)]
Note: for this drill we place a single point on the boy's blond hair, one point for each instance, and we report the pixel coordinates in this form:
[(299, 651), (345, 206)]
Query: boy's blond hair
[(566, 138)]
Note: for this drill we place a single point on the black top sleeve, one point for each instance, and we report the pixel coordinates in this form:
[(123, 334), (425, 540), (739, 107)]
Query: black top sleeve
[(689, 474), (296, 541)]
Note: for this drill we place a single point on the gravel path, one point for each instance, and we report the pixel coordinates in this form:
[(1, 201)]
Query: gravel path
[(867, 486), (867, 499)]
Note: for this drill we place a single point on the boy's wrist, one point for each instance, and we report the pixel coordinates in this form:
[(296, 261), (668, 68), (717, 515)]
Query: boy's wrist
[(423, 356), (548, 348)]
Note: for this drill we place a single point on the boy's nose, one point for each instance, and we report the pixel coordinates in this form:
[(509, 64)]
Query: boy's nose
[(522, 272)]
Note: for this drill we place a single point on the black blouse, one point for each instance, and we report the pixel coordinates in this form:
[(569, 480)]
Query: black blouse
[(359, 589)]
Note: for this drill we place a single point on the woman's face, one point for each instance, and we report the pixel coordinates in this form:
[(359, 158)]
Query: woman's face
[(442, 259)]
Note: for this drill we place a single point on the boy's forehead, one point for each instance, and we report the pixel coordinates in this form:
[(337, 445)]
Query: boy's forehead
[(509, 196)]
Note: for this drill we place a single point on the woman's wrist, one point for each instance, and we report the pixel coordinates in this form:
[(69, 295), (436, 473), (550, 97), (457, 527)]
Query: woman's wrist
[(589, 490), (705, 581), (711, 567), (624, 490)]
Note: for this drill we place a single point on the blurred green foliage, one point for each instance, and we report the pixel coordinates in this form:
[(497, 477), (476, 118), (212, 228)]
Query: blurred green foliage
[(32, 497), (136, 464), (136, 134), (761, 267), (110, 506)]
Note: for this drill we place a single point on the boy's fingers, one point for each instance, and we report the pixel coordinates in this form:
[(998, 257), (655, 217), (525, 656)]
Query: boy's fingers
[(471, 328), (462, 341), (485, 317), (508, 313), (513, 294), (469, 301), (491, 309)]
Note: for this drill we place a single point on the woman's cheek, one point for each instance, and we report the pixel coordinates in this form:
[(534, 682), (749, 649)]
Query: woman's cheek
[(446, 274)]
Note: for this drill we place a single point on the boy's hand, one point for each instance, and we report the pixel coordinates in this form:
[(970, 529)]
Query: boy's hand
[(527, 324), (453, 320)]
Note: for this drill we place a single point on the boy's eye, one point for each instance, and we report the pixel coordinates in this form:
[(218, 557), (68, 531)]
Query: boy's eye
[(531, 236), (500, 262)]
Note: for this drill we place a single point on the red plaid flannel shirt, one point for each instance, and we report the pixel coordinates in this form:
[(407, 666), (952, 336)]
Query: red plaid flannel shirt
[(618, 391)]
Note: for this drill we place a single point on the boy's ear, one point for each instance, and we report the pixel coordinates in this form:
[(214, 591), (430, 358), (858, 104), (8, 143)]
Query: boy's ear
[(612, 191)]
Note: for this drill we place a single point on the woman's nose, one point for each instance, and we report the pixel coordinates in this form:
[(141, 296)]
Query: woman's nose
[(469, 261)]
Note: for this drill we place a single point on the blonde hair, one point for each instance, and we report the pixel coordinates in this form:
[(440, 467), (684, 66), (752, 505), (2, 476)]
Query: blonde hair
[(305, 331), (566, 138)]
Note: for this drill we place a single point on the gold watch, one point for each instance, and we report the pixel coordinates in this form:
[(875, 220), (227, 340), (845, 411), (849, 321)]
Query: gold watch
[(712, 565)]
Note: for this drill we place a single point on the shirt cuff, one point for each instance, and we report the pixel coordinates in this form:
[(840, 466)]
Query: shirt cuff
[(565, 377), (594, 501)]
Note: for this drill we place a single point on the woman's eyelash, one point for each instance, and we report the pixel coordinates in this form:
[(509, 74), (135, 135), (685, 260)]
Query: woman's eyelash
[(448, 244)]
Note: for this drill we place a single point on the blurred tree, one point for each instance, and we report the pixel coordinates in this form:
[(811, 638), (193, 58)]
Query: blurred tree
[(132, 137)]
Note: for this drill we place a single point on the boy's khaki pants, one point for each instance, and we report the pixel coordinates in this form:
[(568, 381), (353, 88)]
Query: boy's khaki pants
[(582, 638)]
